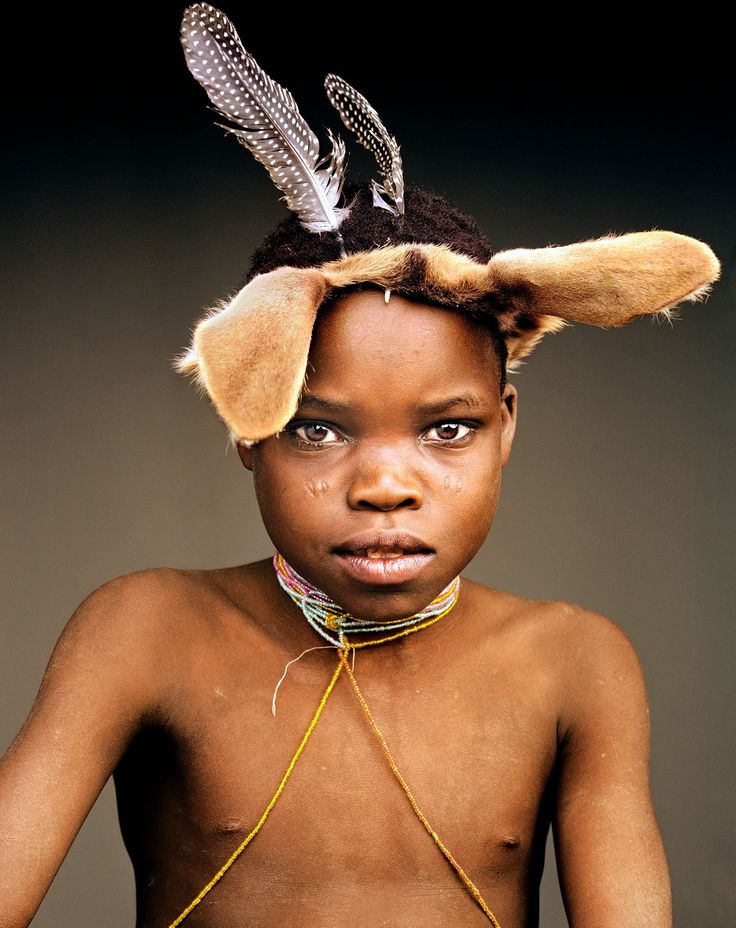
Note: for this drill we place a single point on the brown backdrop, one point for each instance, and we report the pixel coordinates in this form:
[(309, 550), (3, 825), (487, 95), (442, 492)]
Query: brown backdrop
[(127, 211)]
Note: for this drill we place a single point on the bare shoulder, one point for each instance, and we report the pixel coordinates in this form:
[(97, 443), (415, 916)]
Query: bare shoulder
[(140, 603), (590, 643), (125, 628), (155, 598), (587, 654), (580, 628), (601, 677), (561, 628), (117, 661), (175, 612)]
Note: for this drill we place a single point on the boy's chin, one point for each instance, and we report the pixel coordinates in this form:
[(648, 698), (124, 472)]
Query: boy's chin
[(389, 598)]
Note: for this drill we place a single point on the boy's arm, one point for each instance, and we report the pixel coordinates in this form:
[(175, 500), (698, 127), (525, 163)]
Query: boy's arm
[(99, 687), (610, 857)]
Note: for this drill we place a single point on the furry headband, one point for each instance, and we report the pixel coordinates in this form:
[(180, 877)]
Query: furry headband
[(249, 353)]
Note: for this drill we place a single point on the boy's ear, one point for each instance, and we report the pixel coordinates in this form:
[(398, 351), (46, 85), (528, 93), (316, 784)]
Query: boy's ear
[(245, 453), (508, 421)]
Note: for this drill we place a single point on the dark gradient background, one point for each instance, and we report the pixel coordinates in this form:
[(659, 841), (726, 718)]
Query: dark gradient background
[(127, 211)]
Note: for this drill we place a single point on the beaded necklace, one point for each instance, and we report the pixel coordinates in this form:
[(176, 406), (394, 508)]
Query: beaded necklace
[(325, 616)]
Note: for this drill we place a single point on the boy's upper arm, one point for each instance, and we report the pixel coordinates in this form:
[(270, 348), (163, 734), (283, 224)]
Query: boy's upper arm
[(101, 684), (610, 857)]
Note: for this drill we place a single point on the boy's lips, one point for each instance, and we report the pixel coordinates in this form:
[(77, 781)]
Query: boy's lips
[(384, 542), (384, 556)]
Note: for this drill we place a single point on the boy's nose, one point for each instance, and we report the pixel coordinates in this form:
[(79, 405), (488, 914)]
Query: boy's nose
[(386, 484)]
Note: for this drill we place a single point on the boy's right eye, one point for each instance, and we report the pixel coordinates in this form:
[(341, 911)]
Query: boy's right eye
[(311, 434)]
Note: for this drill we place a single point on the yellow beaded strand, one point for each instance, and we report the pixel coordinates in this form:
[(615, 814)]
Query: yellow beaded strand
[(234, 856), (468, 883)]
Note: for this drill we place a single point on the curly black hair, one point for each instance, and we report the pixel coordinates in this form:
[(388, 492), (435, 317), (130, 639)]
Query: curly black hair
[(429, 218)]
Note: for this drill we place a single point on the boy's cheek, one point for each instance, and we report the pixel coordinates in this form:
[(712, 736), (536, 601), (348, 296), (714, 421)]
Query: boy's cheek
[(453, 483), (317, 486)]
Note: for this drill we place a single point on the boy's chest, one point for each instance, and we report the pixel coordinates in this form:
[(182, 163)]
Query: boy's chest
[(475, 750)]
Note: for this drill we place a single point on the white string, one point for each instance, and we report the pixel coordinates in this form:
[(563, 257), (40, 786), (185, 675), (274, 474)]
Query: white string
[(319, 647), (317, 607)]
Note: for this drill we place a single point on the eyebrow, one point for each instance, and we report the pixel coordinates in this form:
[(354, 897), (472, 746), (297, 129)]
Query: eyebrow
[(467, 400)]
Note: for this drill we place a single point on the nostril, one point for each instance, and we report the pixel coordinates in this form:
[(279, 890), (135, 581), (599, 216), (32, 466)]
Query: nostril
[(387, 506)]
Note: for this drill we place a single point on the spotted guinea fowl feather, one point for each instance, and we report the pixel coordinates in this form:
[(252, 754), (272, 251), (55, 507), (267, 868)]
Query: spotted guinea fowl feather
[(267, 119), (362, 119)]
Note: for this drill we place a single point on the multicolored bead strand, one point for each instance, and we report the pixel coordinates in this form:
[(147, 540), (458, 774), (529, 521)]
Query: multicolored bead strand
[(327, 617)]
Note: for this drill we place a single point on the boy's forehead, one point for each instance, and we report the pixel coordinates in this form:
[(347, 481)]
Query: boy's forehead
[(362, 341), (369, 324)]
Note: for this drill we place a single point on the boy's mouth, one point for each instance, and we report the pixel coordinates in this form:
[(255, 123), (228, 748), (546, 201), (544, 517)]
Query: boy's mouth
[(384, 557), (383, 544)]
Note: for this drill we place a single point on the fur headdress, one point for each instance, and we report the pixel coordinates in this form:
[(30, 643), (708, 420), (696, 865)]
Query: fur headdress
[(249, 353)]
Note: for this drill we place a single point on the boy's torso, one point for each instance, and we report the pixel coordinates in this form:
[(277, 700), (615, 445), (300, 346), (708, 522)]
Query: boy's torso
[(468, 707)]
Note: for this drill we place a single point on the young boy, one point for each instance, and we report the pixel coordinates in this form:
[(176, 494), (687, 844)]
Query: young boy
[(504, 716), (483, 722)]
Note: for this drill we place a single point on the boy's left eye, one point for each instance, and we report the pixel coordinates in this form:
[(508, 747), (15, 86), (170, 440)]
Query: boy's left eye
[(453, 428)]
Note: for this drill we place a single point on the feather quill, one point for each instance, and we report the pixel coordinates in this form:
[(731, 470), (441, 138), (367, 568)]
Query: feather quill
[(267, 120), (362, 119)]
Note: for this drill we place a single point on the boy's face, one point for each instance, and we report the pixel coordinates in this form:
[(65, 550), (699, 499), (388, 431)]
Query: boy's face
[(365, 452)]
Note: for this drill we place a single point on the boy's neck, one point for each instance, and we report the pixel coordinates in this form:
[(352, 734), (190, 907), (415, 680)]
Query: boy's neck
[(339, 627)]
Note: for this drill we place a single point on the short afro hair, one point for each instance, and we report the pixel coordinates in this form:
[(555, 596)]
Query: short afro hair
[(429, 219)]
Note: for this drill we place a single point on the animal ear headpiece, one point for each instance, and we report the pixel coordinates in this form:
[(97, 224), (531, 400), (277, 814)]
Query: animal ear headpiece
[(249, 353)]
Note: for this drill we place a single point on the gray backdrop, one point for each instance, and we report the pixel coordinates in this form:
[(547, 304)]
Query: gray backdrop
[(128, 211)]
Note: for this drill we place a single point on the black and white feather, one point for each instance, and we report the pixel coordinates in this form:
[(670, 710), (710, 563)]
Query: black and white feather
[(267, 120), (362, 119)]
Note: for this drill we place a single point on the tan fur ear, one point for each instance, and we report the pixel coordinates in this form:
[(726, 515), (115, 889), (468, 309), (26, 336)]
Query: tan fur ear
[(250, 354), (607, 281)]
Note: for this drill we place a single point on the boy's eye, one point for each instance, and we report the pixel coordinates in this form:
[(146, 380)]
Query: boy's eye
[(450, 432), (311, 433), (317, 434)]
